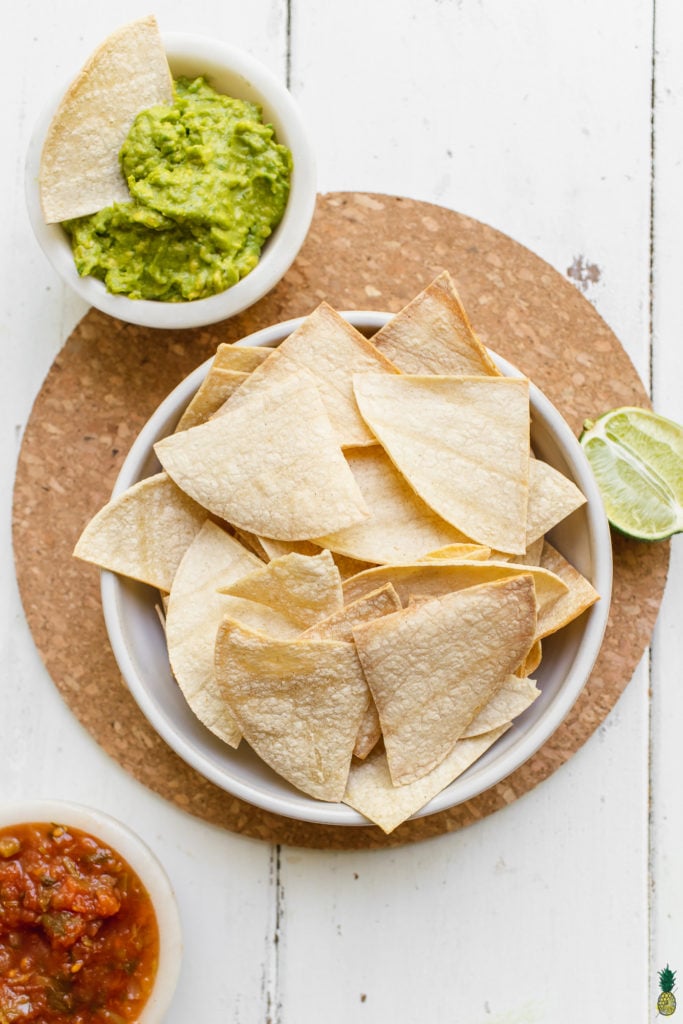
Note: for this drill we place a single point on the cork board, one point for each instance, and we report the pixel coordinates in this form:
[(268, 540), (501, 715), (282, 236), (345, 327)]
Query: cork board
[(364, 251)]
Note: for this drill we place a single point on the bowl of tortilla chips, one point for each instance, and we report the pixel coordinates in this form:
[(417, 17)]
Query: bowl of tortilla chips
[(180, 218), (355, 568)]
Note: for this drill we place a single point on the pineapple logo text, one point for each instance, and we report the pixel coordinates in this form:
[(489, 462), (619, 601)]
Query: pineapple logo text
[(666, 1003)]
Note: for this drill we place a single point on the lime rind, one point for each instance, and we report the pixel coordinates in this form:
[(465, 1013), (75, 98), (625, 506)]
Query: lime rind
[(637, 459)]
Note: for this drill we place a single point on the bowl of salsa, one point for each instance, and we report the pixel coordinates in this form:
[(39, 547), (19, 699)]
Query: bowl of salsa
[(89, 928)]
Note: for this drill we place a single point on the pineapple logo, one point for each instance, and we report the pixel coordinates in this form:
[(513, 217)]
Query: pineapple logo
[(666, 1004)]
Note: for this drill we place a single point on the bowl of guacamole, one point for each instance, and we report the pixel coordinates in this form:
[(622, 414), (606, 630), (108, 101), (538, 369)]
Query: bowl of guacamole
[(218, 198)]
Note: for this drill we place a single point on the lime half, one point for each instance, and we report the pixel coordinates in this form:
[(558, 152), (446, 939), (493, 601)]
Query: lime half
[(637, 458)]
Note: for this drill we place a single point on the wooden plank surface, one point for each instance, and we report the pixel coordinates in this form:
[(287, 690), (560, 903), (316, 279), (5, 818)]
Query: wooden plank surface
[(536, 119), (666, 754)]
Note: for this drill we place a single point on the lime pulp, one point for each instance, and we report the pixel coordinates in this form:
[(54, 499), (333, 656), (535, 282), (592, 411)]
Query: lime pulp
[(637, 458)]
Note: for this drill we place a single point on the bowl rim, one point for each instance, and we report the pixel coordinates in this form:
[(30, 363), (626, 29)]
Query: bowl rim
[(471, 783), (146, 865), (280, 249)]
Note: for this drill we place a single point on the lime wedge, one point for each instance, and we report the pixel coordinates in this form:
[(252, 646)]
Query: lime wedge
[(637, 458)]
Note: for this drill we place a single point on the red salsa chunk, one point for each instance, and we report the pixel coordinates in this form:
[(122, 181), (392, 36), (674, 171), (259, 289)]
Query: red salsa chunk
[(79, 942)]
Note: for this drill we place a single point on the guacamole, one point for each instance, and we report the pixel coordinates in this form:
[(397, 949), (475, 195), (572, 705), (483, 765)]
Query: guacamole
[(208, 184)]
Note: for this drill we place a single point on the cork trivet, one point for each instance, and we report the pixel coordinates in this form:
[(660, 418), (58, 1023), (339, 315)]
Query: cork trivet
[(363, 252)]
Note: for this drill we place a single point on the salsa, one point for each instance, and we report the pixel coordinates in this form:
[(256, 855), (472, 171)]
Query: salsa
[(79, 942), (208, 183)]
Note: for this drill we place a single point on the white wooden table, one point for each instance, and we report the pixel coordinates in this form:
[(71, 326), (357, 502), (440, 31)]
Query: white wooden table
[(559, 124)]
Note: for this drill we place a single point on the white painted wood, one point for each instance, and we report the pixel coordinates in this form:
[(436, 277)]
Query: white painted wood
[(534, 118), (667, 379)]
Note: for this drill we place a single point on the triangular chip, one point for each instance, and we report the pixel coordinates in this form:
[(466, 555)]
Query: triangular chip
[(194, 612), (270, 465), (401, 527), (514, 697), (371, 792), (339, 626), (532, 555), (435, 577), (532, 660), (462, 443), (329, 349), (552, 497), (433, 334), (230, 368), (214, 390), (244, 358), (251, 541), (580, 593), (347, 566), (299, 703), (459, 551), (433, 666), (144, 532), (276, 548), (307, 588), (79, 168), (369, 732)]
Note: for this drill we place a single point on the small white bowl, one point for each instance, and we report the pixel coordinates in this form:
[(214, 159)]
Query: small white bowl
[(145, 864), (235, 73), (138, 643)]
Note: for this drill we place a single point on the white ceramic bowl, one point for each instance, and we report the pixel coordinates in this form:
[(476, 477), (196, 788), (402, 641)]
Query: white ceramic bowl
[(568, 656), (235, 73), (145, 864)]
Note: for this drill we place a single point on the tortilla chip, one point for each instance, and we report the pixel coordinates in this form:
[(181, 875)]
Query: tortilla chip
[(580, 593), (433, 334), (339, 626), (277, 548), (305, 588), (194, 613), (532, 555), (532, 660), (144, 532), (251, 541), (369, 732), (329, 349), (299, 704), (214, 390), (433, 578), (514, 697), (270, 465), (432, 667), (552, 497), (244, 358), (347, 566), (462, 443), (456, 552), (371, 792), (230, 368), (401, 527), (79, 167)]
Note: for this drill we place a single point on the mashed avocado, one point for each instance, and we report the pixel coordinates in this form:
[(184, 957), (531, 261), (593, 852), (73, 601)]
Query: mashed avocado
[(208, 184)]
